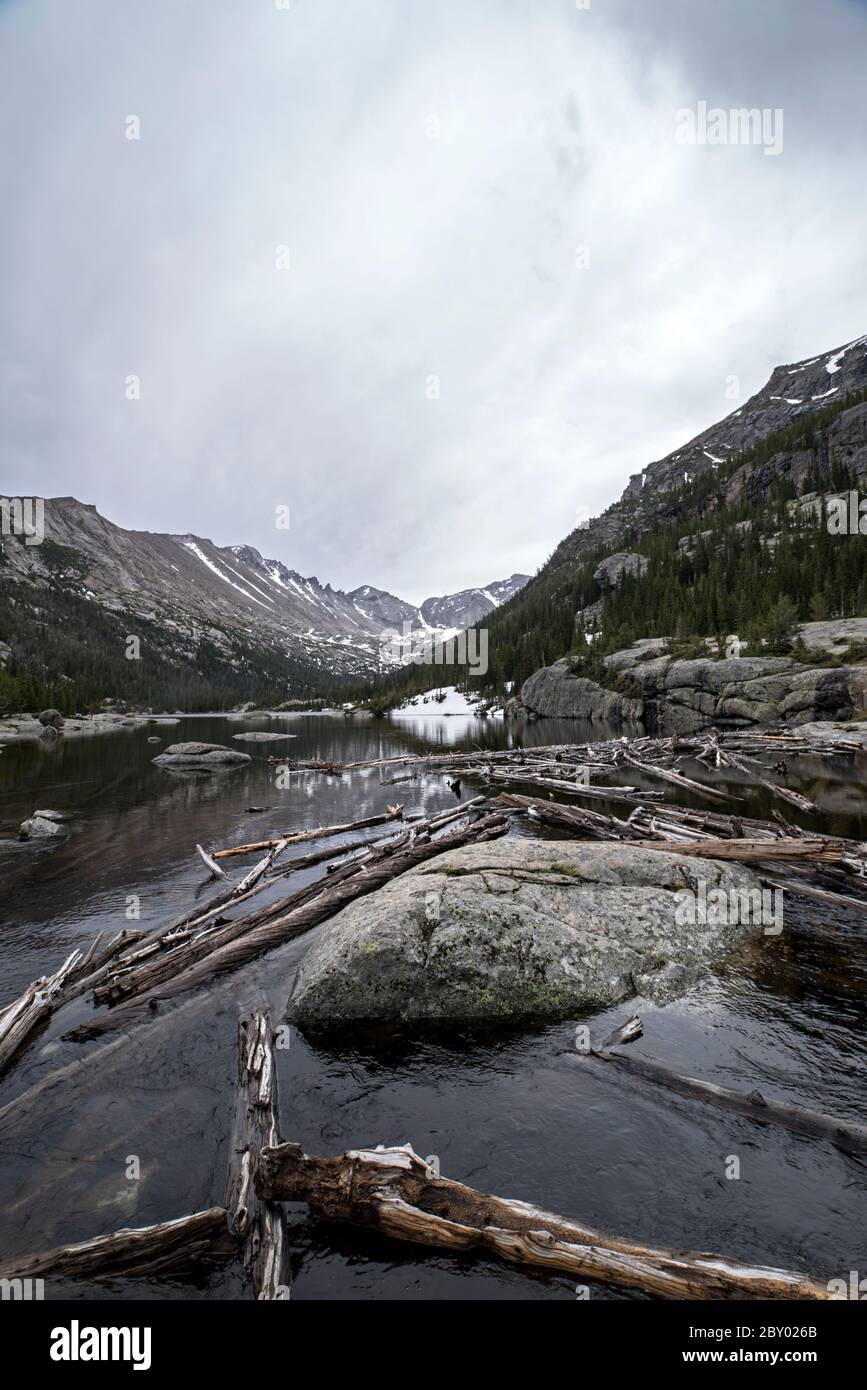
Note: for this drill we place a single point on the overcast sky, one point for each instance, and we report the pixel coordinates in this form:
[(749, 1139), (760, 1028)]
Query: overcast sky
[(432, 169)]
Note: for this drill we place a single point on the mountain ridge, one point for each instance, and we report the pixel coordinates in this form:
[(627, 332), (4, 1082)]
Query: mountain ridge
[(202, 591)]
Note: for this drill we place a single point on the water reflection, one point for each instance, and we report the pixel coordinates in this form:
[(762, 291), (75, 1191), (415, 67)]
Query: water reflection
[(509, 1110)]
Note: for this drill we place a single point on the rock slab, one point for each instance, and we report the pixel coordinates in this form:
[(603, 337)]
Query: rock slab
[(196, 754)]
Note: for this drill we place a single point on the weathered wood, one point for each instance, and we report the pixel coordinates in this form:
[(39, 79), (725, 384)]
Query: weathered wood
[(572, 818), (393, 1191), (818, 849), (800, 889), (754, 770), (653, 770), (258, 1225), (320, 833), (20, 1019), (848, 1135), (213, 869), (169, 1248)]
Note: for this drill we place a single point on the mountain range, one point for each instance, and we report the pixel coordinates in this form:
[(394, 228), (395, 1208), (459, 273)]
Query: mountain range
[(191, 591), (699, 541)]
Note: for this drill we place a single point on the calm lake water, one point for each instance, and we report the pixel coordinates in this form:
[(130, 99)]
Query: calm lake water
[(510, 1111)]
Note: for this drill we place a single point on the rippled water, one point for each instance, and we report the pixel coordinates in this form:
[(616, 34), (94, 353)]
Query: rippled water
[(509, 1111)]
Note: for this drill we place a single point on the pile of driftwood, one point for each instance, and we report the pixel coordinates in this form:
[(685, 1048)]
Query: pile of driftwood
[(781, 852), (395, 1192), (571, 767), (137, 970), (79, 972)]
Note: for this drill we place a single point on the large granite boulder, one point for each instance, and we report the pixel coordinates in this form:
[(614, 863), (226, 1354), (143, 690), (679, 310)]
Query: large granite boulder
[(519, 929), (195, 754), (610, 573), (51, 719), (556, 692)]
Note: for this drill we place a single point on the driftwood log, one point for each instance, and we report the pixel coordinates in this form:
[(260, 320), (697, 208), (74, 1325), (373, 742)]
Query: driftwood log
[(258, 1225), (20, 1019), (171, 1247), (393, 1191), (848, 1135), (319, 833)]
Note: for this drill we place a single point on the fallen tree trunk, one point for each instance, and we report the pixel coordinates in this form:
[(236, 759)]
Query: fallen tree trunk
[(819, 849), (169, 1248), (320, 833), (632, 795), (848, 1135), (393, 1191), (727, 758), (799, 889), (259, 1225), (653, 770), (19, 1020)]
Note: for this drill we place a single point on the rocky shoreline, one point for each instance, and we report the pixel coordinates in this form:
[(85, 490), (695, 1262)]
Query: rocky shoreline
[(646, 687), (27, 727), (31, 727)]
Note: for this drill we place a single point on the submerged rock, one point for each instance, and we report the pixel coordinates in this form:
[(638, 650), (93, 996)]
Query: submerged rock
[(200, 755), (519, 929)]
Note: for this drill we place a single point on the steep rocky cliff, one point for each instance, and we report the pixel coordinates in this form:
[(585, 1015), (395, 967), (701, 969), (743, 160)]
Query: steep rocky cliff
[(645, 685)]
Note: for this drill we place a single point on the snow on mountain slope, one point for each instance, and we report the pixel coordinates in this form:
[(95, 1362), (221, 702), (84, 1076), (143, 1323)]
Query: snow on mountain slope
[(793, 390), (189, 585)]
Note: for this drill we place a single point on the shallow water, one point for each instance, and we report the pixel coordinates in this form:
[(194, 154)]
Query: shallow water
[(515, 1112)]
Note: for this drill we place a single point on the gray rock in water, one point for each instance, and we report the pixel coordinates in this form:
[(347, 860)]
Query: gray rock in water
[(42, 825), (51, 719), (519, 929), (200, 755)]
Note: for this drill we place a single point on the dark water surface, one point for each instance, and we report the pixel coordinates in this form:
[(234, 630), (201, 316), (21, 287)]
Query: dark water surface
[(508, 1111)]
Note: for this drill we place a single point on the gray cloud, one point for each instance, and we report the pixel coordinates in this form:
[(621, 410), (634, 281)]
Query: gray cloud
[(432, 170)]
